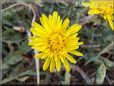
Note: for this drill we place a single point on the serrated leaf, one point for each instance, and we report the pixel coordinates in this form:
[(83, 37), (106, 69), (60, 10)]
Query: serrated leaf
[(100, 75), (107, 62), (13, 58), (92, 59), (98, 61)]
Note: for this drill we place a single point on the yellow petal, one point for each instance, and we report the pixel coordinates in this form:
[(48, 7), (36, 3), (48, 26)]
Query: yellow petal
[(73, 29), (110, 22), (44, 55), (73, 36), (45, 18), (58, 23), (94, 11), (76, 53), (65, 63), (37, 26), (69, 48), (55, 16), (45, 23), (46, 63), (35, 33), (51, 22), (39, 48), (72, 40), (58, 63), (70, 58), (65, 24), (52, 65), (32, 43), (38, 55), (79, 43), (104, 16), (37, 30)]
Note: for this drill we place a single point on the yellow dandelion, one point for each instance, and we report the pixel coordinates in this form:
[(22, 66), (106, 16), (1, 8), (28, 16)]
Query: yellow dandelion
[(104, 8), (55, 41)]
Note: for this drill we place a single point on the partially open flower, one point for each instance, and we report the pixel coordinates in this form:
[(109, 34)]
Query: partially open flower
[(55, 41), (104, 8)]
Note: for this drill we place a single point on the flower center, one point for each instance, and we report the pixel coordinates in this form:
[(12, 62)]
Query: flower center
[(56, 42)]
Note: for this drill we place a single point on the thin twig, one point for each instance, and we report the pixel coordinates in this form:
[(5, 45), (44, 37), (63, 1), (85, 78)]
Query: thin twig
[(106, 49), (87, 19), (77, 68), (109, 81), (37, 63), (90, 46), (24, 4), (28, 33)]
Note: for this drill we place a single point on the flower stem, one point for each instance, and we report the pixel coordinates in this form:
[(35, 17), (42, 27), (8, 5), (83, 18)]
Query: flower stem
[(37, 70)]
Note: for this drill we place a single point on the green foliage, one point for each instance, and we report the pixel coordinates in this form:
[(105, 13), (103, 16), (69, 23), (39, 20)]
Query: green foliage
[(97, 36), (108, 63), (101, 72)]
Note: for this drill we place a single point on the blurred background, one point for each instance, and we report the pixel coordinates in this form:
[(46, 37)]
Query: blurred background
[(18, 65)]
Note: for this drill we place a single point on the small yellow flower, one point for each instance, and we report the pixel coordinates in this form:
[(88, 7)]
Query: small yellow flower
[(55, 41), (104, 8)]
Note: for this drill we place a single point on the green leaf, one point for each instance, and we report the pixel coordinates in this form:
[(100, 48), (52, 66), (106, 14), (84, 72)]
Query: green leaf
[(8, 15), (25, 48), (98, 61), (4, 66), (110, 37), (23, 78), (100, 75), (7, 80), (92, 59), (29, 73), (107, 62), (13, 58)]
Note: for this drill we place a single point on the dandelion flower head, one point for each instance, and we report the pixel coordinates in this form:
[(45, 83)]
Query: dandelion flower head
[(55, 41)]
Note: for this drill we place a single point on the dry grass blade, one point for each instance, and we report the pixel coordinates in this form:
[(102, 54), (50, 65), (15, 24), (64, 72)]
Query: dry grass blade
[(87, 19), (109, 81), (77, 68)]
